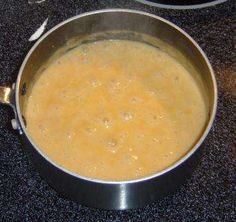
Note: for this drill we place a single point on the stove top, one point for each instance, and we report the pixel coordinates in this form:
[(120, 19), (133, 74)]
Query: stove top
[(181, 4), (207, 196)]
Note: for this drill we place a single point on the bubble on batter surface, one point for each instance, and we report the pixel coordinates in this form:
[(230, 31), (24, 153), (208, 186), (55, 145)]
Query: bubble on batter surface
[(90, 130), (69, 135), (95, 83), (151, 92), (138, 171), (106, 122), (42, 129), (130, 159), (126, 116), (134, 100), (155, 140), (112, 145), (114, 86)]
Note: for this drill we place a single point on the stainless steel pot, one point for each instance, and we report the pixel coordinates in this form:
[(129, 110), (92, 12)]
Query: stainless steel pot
[(115, 23)]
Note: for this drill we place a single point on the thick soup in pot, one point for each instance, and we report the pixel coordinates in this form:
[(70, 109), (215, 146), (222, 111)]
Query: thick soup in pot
[(115, 110)]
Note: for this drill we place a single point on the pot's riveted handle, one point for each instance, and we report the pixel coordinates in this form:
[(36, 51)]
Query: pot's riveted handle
[(7, 97)]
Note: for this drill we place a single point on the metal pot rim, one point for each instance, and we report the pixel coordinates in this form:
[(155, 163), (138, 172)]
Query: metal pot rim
[(146, 178), (182, 7)]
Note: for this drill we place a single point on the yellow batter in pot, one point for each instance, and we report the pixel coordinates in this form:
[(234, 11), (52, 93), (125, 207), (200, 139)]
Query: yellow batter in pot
[(115, 110)]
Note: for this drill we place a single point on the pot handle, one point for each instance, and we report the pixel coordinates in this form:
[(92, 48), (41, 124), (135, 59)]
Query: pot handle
[(5, 95)]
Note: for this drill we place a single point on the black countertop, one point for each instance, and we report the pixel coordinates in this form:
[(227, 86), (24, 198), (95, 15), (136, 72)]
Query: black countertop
[(207, 195)]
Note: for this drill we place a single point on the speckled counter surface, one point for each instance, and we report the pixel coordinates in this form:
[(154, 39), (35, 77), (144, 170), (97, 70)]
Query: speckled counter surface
[(207, 195)]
